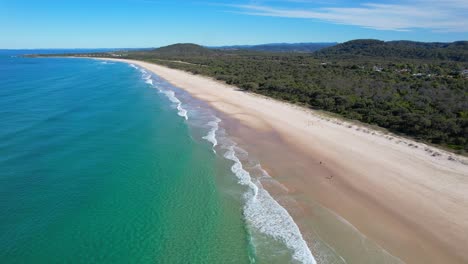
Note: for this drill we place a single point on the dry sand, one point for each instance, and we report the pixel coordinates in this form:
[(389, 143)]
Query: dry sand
[(409, 198)]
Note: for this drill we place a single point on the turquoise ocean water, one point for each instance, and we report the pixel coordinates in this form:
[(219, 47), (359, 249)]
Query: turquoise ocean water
[(103, 162)]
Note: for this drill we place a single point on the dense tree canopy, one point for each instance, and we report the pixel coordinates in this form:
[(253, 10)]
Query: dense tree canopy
[(455, 51)]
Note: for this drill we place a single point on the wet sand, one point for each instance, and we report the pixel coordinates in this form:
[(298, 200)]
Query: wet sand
[(367, 194)]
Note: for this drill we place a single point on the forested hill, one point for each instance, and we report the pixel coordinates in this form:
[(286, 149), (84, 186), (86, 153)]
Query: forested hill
[(454, 51), (282, 47), (181, 50)]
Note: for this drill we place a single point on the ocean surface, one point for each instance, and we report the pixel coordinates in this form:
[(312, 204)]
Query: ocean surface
[(103, 162)]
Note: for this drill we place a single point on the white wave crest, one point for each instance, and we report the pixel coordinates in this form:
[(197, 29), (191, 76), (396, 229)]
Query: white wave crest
[(268, 216), (211, 136), (144, 74), (170, 94), (148, 78), (180, 110)]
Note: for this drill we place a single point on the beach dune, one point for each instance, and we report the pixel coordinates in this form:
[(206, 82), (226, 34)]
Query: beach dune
[(410, 198)]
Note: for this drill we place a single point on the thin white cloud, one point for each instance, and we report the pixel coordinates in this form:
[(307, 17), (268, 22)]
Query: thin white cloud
[(443, 15)]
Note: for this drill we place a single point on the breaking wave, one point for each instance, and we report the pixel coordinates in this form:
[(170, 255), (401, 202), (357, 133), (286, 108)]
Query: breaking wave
[(266, 215), (169, 93), (211, 136), (262, 213)]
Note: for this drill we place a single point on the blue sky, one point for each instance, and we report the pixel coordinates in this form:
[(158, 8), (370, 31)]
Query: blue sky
[(152, 23)]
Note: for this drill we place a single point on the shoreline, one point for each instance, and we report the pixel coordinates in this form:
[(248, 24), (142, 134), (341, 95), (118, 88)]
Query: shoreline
[(407, 197)]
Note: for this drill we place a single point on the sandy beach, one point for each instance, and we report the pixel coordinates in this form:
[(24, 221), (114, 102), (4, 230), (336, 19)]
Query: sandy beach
[(409, 198)]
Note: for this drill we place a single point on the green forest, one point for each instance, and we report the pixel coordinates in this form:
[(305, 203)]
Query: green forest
[(410, 88)]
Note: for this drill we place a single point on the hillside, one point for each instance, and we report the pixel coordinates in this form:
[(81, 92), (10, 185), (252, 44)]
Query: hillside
[(281, 47), (455, 51), (178, 50)]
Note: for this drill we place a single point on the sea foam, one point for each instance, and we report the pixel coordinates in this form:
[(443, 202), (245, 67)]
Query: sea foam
[(106, 62), (211, 136), (148, 79), (266, 215), (169, 93), (261, 211)]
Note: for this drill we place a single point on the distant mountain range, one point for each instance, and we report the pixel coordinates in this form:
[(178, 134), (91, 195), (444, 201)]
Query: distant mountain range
[(281, 47), (377, 49), (350, 50)]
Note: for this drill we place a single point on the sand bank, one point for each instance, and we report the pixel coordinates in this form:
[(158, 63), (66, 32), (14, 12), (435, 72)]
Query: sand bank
[(409, 198)]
